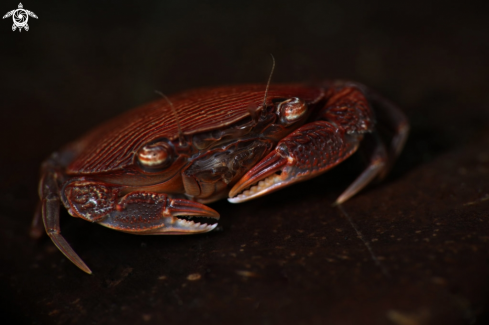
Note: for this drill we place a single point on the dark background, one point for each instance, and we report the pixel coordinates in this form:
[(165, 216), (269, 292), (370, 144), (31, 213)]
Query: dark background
[(412, 250)]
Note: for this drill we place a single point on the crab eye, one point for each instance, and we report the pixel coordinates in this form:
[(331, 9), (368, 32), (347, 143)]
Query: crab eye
[(291, 110), (155, 155)]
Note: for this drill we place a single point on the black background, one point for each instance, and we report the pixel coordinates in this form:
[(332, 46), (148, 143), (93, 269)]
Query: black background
[(286, 258)]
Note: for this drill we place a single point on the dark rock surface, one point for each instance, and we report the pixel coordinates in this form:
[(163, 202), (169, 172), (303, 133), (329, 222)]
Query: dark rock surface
[(411, 250)]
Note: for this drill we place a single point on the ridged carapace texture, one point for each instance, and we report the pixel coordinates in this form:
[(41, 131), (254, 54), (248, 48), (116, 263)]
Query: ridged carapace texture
[(111, 146)]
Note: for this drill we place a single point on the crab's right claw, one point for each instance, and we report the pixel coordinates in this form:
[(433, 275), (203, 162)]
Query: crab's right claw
[(305, 153)]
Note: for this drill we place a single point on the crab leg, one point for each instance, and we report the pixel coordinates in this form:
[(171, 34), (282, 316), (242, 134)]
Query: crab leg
[(377, 156), (50, 203), (392, 118), (37, 226), (389, 117)]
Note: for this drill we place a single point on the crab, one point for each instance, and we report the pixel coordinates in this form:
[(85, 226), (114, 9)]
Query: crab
[(152, 170)]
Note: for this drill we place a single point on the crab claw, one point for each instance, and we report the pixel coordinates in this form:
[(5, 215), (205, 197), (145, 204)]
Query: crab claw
[(143, 213), (269, 175), (185, 218), (307, 152)]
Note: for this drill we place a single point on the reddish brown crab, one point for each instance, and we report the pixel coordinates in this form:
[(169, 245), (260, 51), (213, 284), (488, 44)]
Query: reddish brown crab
[(148, 172)]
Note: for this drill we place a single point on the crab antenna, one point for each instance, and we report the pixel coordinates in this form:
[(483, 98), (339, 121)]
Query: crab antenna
[(269, 79), (181, 139)]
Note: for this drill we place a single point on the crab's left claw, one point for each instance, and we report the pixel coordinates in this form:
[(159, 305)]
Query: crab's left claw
[(305, 153), (146, 213), (187, 217)]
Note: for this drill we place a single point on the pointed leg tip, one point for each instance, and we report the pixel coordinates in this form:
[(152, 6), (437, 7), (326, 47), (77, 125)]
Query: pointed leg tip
[(87, 270), (66, 249), (80, 264), (341, 199)]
